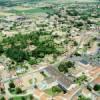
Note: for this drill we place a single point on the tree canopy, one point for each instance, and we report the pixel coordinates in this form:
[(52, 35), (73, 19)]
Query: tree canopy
[(63, 67), (16, 47)]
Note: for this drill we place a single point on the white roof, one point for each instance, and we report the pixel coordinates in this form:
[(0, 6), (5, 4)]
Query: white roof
[(1, 67)]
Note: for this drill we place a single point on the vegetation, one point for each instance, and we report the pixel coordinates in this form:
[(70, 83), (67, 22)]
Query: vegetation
[(1, 49), (28, 48), (81, 79), (54, 90), (81, 97), (63, 67), (18, 90), (44, 74), (97, 87), (11, 85), (28, 97), (77, 54), (16, 47), (36, 10), (2, 90), (72, 12), (13, 89), (78, 24), (84, 17), (2, 98), (16, 54), (99, 44), (89, 87)]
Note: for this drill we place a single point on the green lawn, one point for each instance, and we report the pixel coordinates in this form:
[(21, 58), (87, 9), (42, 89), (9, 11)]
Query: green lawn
[(81, 79), (28, 97), (53, 91), (32, 11), (17, 98), (98, 23)]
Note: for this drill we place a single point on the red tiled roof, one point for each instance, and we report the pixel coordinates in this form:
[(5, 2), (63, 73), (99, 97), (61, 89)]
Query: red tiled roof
[(97, 80), (37, 92), (44, 97), (95, 71)]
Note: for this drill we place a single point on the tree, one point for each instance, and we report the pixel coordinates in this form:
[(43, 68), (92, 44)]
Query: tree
[(97, 87), (77, 54), (78, 24), (11, 85), (70, 64), (31, 97), (89, 88), (72, 12), (15, 47), (81, 79), (18, 90), (63, 67), (84, 17), (81, 97), (23, 98), (99, 44), (11, 99), (2, 98), (2, 90), (55, 89), (75, 43), (32, 61), (1, 49), (16, 54)]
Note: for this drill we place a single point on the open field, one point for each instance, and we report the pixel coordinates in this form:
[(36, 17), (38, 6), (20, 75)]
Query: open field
[(5, 13), (30, 11)]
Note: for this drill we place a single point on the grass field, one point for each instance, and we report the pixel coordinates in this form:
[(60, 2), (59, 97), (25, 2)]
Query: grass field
[(53, 92), (32, 11), (28, 97)]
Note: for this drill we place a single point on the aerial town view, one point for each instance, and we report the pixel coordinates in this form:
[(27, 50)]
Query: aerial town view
[(49, 49)]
